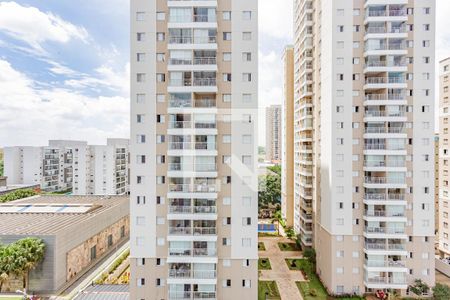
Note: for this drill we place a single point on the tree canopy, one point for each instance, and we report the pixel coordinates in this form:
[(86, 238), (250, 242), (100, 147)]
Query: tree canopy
[(18, 259)]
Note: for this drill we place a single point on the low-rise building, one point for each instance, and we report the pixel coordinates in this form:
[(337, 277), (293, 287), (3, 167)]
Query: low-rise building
[(78, 232)]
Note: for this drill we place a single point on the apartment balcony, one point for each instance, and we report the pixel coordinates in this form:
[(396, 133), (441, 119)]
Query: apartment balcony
[(384, 216), (385, 232), (385, 49), (194, 188), (191, 3), (385, 199), (193, 252), (188, 295), (380, 132), (198, 231), (385, 66), (384, 182), (189, 103), (385, 247), (185, 40), (204, 146), (383, 166), (385, 264), (183, 170), (384, 115), (386, 282), (195, 64), (190, 127), (193, 274), (385, 83), (192, 213), (389, 15)]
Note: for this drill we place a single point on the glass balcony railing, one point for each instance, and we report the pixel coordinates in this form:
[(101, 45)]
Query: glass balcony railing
[(384, 230), (384, 180)]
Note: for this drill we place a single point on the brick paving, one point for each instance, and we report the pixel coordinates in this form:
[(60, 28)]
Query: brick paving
[(280, 272)]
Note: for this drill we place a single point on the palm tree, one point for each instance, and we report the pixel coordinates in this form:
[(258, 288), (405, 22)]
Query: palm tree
[(278, 218), (32, 252)]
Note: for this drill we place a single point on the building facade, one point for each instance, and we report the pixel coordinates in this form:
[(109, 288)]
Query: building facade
[(364, 148), (71, 166), (193, 149), (287, 139), (78, 232), (444, 157), (273, 133)]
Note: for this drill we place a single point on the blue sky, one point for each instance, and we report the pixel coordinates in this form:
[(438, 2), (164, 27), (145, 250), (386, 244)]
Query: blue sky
[(64, 67)]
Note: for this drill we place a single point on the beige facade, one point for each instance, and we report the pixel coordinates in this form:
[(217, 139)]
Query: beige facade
[(287, 139), (364, 141), (193, 152), (273, 133), (444, 158)]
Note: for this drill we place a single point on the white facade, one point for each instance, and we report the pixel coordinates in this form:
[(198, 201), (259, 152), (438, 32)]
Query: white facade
[(71, 165), (193, 151), (365, 80)]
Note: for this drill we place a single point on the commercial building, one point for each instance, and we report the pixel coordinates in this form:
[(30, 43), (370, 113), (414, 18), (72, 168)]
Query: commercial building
[(364, 148), (193, 151), (273, 133), (287, 139), (71, 166), (78, 231)]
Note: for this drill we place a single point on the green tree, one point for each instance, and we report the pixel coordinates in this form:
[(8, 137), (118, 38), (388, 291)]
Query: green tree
[(32, 252), (270, 190), (276, 169), (2, 166), (419, 287), (5, 268), (441, 292)]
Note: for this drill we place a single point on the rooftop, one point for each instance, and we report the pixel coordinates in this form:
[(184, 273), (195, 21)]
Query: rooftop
[(48, 214), (105, 292)]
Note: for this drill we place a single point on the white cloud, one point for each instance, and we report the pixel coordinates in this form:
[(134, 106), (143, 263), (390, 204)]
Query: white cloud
[(104, 77), (34, 27), (31, 115), (275, 18)]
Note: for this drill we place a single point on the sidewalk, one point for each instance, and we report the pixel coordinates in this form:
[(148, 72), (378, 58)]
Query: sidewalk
[(280, 272)]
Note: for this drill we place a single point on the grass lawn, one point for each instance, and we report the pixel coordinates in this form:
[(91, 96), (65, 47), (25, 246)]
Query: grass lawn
[(261, 246), (264, 264), (288, 247), (270, 287), (312, 289), (11, 298)]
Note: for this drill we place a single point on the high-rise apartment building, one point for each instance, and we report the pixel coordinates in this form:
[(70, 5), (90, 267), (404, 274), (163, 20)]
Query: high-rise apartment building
[(444, 157), (273, 133), (193, 157), (71, 166), (364, 149), (287, 138)]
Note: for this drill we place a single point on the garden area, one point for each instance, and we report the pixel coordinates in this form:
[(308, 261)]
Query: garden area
[(268, 290), (312, 289), (289, 247), (264, 264), (261, 246), (118, 272), (16, 195)]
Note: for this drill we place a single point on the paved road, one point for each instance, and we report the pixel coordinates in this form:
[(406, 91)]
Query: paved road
[(280, 272)]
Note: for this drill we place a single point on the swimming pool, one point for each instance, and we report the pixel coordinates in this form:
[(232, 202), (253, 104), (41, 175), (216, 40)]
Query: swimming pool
[(267, 228)]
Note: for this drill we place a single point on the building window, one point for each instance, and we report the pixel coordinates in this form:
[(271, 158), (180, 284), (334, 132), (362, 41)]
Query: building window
[(110, 240), (246, 15), (93, 253), (227, 36), (140, 16), (246, 36), (226, 15), (140, 36)]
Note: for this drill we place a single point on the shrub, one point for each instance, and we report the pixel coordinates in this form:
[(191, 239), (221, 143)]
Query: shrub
[(313, 292), (16, 195), (441, 292)]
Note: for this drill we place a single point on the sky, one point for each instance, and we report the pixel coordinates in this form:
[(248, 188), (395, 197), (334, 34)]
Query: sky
[(64, 67)]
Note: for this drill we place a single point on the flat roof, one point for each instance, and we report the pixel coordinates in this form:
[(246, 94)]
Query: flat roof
[(48, 214), (13, 187), (105, 292)]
